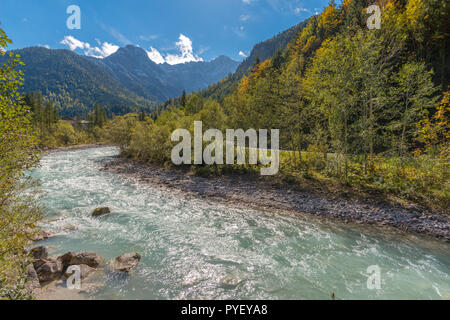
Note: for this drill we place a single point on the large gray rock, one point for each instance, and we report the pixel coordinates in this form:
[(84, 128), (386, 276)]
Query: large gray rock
[(32, 285), (91, 259), (50, 270), (126, 262), (85, 271), (40, 253), (101, 211), (38, 263)]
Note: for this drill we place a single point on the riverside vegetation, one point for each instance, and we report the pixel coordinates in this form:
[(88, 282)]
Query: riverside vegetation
[(18, 212), (27, 124)]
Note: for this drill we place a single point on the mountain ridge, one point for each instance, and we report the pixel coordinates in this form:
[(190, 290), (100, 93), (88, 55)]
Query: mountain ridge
[(124, 81)]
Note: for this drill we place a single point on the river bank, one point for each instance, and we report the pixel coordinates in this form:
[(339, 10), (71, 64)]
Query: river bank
[(46, 150), (257, 193)]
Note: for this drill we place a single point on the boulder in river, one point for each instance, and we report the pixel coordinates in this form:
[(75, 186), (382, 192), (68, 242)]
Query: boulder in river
[(85, 271), (230, 281), (90, 259), (70, 227), (126, 262), (50, 270), (39, 235), (101, 212), (40, 253)]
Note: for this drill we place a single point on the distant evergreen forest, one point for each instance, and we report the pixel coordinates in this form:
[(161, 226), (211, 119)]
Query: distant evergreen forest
[(73, 84)]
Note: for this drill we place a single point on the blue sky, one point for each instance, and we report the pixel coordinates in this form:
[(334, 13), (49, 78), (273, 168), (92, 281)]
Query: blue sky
[(172, 31)]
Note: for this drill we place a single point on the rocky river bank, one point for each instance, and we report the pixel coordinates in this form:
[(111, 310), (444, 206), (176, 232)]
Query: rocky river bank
[(258, 193), (49, 277)]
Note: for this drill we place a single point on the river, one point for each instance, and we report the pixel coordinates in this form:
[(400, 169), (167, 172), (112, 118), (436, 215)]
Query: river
[(193, 248)]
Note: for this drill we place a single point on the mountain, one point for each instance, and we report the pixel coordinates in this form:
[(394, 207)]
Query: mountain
[(266, 49), (132, 67), (125, 81), (74, 83), (262, 51), (134, 70), (199, 75)]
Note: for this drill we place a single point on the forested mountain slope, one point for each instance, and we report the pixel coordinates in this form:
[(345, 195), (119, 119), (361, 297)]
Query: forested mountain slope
[(124, 82), (73, 83), (158, 82), (260, 52)]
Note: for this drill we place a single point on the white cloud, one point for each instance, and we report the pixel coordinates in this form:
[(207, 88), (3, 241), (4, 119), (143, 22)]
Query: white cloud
[(244, 17), (184, 45), (74, 43), (44, 45), (186, 53), (300, 10), (242, 54), (148, 37), (155, 56), (105, 50)]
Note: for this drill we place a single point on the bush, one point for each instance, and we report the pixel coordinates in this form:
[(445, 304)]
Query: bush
[(17, 154)]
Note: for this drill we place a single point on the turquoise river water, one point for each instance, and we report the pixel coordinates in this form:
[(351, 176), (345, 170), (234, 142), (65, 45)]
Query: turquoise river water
[(194, 248)]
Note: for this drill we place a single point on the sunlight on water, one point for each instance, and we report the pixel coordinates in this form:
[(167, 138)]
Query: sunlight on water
[(193, 248)]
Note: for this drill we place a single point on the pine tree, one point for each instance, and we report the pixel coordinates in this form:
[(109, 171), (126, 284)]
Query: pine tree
[(183, 99)]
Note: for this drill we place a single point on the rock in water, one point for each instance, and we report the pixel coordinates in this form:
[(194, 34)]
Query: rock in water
[(230, 281), (101, 211), (90, 259), (70, 227), (85, 271), (40, 253), (126, 262), (50, 270), (39, 235)]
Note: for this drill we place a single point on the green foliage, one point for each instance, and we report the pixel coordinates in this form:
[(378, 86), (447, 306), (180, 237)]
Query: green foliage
[(18, 211), (415, 95), (97, 117), (54, 132), (65, 133), (119, 130)]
